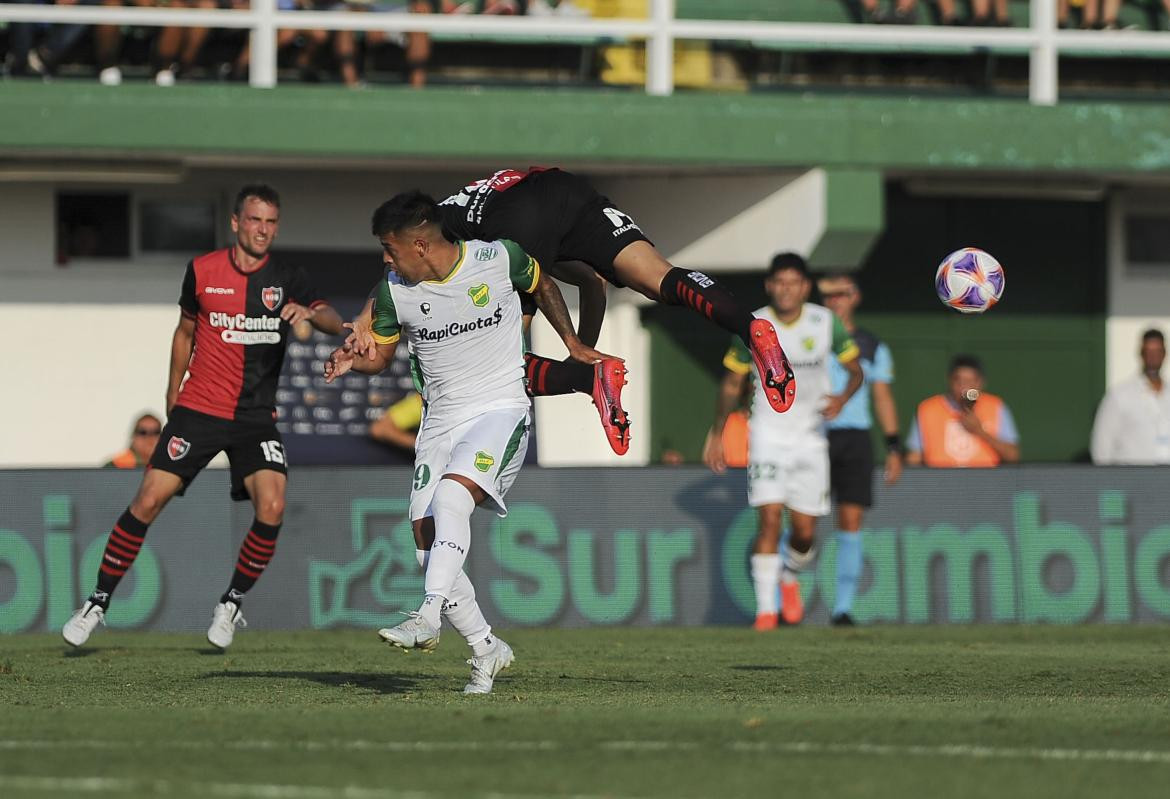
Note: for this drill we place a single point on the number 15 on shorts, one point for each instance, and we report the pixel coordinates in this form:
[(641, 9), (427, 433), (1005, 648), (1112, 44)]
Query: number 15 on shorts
[(273, 451)]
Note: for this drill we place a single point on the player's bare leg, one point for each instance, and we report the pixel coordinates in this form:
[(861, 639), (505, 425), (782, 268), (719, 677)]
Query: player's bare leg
[(122, 548), (797, 556), (266, 488), (642, 268), (766, 566)]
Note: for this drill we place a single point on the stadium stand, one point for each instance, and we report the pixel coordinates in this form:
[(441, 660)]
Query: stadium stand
[(738, 65)]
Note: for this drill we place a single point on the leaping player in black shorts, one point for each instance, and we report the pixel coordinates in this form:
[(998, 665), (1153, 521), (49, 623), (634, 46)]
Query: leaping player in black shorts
[(237, 307), (558, 217)]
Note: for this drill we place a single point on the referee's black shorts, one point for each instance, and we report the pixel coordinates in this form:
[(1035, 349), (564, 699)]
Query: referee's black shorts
[(851, 466)]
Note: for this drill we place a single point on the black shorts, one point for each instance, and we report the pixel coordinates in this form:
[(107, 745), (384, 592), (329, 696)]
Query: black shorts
[(851, 466), (558, 216), (191, 439)]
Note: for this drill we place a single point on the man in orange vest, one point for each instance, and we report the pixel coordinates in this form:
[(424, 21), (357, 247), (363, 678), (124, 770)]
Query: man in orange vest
[(965, 427), (143, 440)]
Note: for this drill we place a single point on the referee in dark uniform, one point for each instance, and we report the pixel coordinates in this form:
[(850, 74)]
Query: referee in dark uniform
[(850, 448)]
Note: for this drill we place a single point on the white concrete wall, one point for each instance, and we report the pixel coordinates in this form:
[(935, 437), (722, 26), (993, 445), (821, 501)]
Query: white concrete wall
[(77, 378), (568, 428), (725, 223), (1138, 300)]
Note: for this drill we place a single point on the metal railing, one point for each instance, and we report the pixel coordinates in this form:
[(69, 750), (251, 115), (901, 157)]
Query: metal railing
[(1042, 40)]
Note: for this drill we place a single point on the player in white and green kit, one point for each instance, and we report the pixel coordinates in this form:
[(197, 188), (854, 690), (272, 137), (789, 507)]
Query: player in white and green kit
[(456, 304), (788, 454)]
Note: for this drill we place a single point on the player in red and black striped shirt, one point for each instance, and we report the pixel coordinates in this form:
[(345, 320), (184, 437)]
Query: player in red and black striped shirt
[(237, 308)]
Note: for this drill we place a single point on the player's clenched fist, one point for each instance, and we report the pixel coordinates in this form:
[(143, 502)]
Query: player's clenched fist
[(293, 313)]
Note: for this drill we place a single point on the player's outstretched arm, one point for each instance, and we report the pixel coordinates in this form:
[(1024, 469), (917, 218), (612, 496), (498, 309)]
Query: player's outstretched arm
[(324, 317), (591, 297), (182, 344), (552, 304), (730, 390), (344, 359), (361, 336)]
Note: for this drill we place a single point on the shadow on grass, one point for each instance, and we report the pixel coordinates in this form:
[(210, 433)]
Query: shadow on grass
[(581, 678), (381, 683), (74, 652), (759, 667)]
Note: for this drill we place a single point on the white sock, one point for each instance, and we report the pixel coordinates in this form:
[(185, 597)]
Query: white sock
[(765, 577), (464, 612), (452, 506), (796, 562)]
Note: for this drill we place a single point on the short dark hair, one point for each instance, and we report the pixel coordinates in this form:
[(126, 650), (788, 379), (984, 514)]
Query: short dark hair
[(965, 361), (261, 191), (789, 260), (1154, 333), (410, 209)]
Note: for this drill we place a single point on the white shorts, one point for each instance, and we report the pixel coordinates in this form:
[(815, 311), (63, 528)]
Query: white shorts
[(795, 475), (488, 450)]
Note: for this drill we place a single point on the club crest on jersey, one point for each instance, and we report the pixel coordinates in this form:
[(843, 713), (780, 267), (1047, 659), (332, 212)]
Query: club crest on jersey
[(809, 343), (425, 308), (271, 296), (485, 253), (480, 296), (178, 447), (484, 461)]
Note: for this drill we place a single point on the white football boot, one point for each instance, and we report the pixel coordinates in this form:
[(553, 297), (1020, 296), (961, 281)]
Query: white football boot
[(224, 620), (414, 633), (485, 668), (82, 623)]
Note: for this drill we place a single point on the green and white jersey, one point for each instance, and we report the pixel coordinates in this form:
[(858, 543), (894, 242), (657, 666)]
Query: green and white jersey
[(815, 337), (464, 331)]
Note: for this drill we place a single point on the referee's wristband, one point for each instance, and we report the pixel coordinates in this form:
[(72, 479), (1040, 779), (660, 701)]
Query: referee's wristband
[(893, 445)]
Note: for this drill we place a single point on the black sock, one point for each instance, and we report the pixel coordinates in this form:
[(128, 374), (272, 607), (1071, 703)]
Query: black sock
[(121, 549), (547, 378), (255, 552), (706, 297)]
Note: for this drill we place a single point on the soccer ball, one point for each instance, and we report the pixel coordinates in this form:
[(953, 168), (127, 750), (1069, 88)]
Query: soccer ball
[(969, 280)]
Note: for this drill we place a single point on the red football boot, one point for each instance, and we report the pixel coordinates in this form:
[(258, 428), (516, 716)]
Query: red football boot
[(766, 621), (791, 603), (609, 377), (776, 375)]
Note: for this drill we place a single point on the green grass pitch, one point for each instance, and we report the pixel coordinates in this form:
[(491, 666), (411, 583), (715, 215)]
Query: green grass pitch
[(881, 712)]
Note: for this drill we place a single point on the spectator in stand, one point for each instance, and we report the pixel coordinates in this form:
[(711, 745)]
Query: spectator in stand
[(900, 12), (143, 439), (1133, 420), (481, 6), (41, 59), (308, 42), (964, 428), (565, 8), (175, 49), (399, 425), (416, 45)]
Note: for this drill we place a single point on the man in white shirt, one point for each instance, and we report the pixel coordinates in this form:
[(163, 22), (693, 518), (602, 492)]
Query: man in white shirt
[(1133, 421)]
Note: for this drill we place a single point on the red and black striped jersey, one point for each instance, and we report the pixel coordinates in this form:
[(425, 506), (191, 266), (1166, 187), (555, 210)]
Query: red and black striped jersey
[(240, 338)]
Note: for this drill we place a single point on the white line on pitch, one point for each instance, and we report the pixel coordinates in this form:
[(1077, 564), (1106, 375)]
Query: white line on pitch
[(234, 790), (970, 751)]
